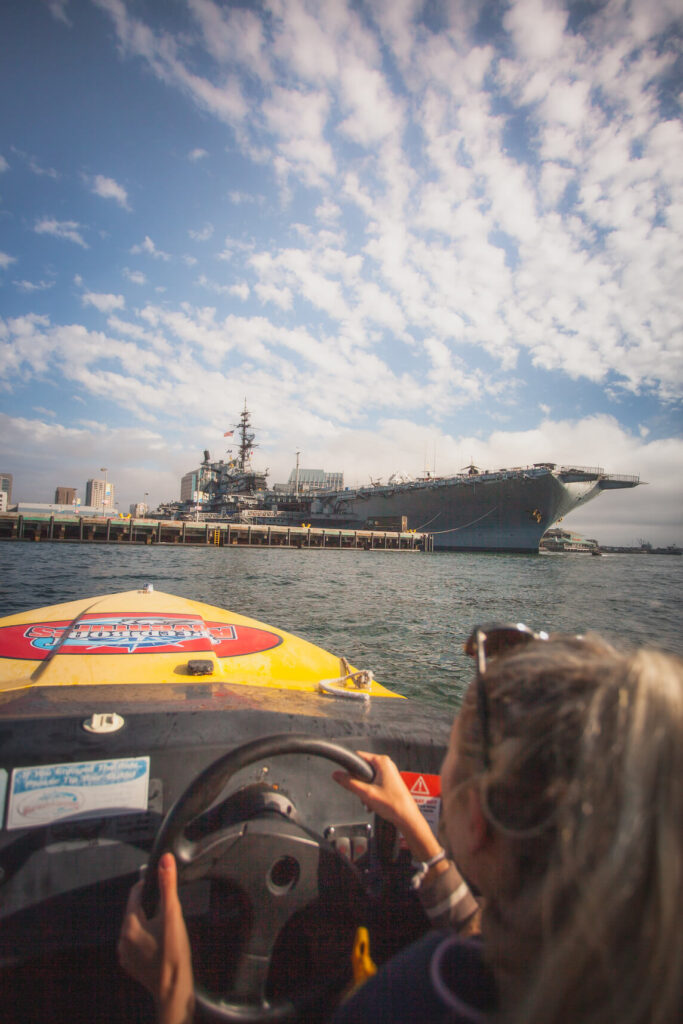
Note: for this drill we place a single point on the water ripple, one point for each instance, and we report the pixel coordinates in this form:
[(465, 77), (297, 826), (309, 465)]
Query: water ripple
[(405, 616)]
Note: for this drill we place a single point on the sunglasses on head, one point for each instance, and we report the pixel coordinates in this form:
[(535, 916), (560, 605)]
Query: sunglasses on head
[(484, 643)]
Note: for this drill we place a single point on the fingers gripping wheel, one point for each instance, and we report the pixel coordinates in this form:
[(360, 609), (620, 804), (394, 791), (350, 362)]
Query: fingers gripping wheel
[(276, 865)]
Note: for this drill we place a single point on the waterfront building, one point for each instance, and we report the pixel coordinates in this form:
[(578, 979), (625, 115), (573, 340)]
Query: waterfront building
[(6, 486), (65, 495), (3, 501), (29, 508), (99, 493), (194, 485), (139, 510), (314, 480)]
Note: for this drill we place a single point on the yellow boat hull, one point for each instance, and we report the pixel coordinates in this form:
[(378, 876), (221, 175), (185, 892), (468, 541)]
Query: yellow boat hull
[(150, 637)]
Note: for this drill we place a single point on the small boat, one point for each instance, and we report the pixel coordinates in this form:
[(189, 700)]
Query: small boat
[(139, 722)]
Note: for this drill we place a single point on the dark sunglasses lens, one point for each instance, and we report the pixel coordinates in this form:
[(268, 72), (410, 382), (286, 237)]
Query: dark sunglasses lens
[(498, 639), (505, 639)]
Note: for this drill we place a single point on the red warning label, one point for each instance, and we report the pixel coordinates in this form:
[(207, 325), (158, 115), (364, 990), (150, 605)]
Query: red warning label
[(426, 789)]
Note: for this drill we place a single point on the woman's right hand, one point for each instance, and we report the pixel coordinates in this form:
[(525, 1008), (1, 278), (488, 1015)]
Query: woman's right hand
[(389, 797), (156, 951)]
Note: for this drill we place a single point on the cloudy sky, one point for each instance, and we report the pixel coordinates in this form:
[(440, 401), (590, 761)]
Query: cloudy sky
[(410, 233)]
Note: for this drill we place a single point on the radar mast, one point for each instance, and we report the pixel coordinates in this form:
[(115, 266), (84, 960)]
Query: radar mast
[(246, 441)]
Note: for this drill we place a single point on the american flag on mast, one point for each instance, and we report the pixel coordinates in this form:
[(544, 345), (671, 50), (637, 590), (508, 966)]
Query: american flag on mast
[(228, 433)]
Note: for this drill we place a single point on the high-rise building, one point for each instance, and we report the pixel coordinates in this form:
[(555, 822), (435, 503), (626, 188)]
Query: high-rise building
[(99, 493), (65, 495), (188, 486), (6, 486)]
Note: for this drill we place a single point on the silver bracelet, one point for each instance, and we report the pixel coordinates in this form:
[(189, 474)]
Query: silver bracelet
[(424, 866)]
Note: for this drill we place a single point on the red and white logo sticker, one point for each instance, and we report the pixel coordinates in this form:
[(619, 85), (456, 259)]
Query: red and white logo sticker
[(426, 790), (133, 634)]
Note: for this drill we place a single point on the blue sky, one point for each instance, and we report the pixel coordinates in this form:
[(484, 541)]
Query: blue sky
[(409, 233)]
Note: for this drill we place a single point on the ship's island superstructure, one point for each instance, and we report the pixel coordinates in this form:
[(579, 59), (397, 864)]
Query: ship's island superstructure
[(474, 510), (226, 486)]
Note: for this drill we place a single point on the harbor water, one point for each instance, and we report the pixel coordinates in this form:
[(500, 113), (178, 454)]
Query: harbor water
[(405, 616)]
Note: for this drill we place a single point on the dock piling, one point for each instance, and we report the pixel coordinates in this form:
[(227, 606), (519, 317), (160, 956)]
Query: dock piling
[(97, 529)]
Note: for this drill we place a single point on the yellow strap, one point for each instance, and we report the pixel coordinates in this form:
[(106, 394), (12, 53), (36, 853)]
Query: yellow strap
[(361, 961)]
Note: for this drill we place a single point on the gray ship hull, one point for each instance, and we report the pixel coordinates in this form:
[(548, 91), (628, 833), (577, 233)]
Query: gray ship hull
[(509, 510)]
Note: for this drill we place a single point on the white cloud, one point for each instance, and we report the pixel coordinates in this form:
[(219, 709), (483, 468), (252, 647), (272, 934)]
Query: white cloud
[(148, 247), (568, 103), (107, 188), (6, 260), (104, 303), (47, 172), (299, 270), (553, 182), (33, 286), (66, 229), (57, 9), (136, 276), (4, 166), (161, 52), (537, 28), (34, 166), (213, 286), (328, 211), (281, 297), (297, 119), (197, 154), (374, 111), (238, 198), (201, 236), (233, 36), (303, 42)]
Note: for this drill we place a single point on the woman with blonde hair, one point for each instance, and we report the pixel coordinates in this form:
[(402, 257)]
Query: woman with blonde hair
[(562, 808)]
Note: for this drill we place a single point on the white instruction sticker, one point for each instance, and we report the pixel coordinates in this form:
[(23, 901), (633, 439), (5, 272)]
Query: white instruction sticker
[(50, 792)]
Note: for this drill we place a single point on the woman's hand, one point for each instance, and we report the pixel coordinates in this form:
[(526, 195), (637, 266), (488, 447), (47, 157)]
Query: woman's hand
[(389, 797), (156, 952)]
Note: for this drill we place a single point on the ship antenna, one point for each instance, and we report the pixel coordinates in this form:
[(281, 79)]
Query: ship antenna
[(246, 445)]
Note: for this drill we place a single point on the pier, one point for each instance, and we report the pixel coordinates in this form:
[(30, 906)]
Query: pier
[(112, 530)]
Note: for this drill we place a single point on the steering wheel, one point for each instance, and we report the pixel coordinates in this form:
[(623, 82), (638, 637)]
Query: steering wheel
[(276, 865)]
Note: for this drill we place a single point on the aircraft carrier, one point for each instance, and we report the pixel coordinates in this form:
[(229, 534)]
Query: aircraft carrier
[(506, 510), (474, 510)]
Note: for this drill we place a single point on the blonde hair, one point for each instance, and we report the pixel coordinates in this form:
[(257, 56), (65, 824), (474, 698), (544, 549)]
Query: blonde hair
[(585, 790)]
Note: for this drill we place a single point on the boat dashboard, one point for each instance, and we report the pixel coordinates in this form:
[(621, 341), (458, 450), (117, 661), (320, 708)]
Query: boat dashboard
[(274, 856)]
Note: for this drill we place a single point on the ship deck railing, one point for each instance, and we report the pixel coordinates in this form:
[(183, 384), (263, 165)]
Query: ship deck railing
[(626, 478), (483, 476)]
